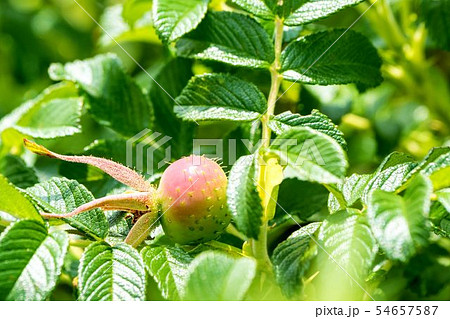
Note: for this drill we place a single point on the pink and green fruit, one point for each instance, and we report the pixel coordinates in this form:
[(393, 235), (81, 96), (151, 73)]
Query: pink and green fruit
[(192, 200)]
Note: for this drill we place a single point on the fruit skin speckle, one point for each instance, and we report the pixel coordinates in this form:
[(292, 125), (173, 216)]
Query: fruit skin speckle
[(192, 195)]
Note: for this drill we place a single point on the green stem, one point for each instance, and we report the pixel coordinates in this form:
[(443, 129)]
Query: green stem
[(259, 246)]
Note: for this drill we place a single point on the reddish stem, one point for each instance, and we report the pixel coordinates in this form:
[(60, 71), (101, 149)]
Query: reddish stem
[(117, 171), (142, 201)]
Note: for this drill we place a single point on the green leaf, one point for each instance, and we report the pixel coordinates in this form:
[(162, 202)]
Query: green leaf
[(352, 190), (220, 97), (111, 273), (17, 172), (313, 10), (168, 265), (230, 38), (332, 57), (347, 239), (30, 260), (316, 120), (443, 197), (400, 224), (174, 18), (228, 278), (302, 199), (61, 196), (435, 165), (134, 10), (389, 180), (393, 159), (173, 77), (54, 113), (311, 155), (13, 202), (292, 257), (436, 14), (115, 28), (114, 99), (256, 7), (285, 8), (243, 197)]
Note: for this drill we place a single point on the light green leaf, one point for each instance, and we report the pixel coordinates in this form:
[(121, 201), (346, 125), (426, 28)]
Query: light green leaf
[(243, 197), (316, 120), (114, 99), (312, 156), (399, 224), (220, 97), (61, 196), (313, 10), (168, 265), (389, 180), (394, 159), (230, 38), (346, 238), (13, 202), (54, 113), (291, 259), (117, 29), (352, 189), (17, 172), (109, 273), (30, 260), (256, 7), (436, 165), (216, 276), (332, 57), (174, 18), (134, 10), (443, 197)]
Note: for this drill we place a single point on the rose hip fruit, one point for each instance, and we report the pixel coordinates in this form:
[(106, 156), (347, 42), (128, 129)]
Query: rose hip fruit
[(192, 198)]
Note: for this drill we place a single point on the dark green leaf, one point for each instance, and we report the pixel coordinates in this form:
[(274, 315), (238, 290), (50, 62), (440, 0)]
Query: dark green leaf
[(292, 257), (243, 197), (332, 57), (316, 120), (230, 38), (174, 18), (220, 97), (436, 14), (228, 278), (300, 198), (30, 260), (61, 196), (168, 265), (173, 77), (114, 99), (111, 273), (399, 224), (352, 189), (311, 155), (17, 172)]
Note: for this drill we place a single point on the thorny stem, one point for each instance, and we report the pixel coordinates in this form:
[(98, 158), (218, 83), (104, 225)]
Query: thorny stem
[(259, 246)]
